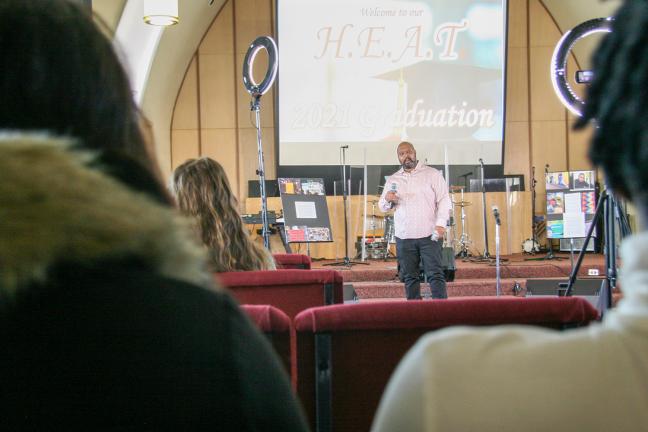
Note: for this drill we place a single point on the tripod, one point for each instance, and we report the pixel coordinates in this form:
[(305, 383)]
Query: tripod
[(609, 206), (346, 262)]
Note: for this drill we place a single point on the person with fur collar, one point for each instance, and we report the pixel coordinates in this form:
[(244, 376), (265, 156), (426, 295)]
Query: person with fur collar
[(109, 317), (513, 378)]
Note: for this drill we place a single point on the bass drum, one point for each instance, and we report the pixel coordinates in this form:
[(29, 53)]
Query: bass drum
[(390, 232), (530, 246)]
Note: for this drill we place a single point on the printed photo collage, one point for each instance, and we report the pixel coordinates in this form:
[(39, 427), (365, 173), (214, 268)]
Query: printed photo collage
[(571, 203)]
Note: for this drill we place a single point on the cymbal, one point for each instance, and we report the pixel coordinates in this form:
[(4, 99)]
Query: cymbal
[(373, 201), (457, 188), (462, 203)]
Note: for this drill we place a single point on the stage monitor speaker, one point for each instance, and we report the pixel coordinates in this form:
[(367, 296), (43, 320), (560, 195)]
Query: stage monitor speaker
[(448, 263), (348, 293), (271, 186), (592, 290), (565, 244)]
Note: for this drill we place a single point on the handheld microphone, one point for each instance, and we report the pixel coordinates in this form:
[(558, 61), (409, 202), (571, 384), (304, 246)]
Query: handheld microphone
[(496, 214), (346, 146), (393, 188), (481, 161), (546, 168)]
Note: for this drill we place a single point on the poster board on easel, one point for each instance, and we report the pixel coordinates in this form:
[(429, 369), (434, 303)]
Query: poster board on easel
[(306, 217), (571, 203)]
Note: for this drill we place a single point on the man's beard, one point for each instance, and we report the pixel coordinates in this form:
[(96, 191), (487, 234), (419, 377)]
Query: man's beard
[(409, 163)]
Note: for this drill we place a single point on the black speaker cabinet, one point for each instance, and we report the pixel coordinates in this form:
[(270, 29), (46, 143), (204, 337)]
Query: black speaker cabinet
[(348, 293), (592, 290)]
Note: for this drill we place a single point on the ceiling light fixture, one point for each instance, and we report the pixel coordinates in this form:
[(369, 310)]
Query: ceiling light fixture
[(161, 12)]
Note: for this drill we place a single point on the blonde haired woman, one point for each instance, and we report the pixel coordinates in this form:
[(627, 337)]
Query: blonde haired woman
[(203, 192)]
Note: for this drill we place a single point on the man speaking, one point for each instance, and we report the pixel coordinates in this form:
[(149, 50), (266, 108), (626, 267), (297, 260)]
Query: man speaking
[(419, 195)]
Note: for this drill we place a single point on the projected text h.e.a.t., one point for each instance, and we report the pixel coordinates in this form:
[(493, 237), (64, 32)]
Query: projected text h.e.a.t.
[(348, 41), (370, 73)]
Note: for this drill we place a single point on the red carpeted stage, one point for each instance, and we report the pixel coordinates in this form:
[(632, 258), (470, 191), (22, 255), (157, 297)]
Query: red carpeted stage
[(379, 279)]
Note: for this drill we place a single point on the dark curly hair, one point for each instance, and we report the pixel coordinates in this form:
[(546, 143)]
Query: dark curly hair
[(617, 103)]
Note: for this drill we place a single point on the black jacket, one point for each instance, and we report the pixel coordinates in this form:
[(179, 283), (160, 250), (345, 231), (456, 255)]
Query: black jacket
[(107, 317)]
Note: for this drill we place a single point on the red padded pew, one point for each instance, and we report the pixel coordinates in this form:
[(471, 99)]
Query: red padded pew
[(346, 353), (277, 327), (292, 261), (292, 291)]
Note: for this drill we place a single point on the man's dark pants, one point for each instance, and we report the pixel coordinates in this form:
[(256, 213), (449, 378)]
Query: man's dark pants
[(410, 253)]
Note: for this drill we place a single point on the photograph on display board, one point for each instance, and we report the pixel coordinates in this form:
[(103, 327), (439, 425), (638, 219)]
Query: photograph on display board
[(301, 186), (557, 180), (318, 234), (571, 203), (555, 203), (582, 180), (555, 229), (588, 202), (296, 233)]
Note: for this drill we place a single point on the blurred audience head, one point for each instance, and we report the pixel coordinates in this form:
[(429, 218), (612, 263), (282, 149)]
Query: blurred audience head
[(203, 192), (616, 103), (60, 76)]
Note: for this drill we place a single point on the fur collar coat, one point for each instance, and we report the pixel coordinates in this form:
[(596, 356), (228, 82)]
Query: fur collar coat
[(55, 209)]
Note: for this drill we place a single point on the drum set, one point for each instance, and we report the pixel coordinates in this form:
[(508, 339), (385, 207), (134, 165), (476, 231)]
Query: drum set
[(380, 240)]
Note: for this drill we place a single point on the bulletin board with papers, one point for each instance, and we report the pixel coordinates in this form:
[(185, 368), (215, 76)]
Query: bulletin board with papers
[(306, 218), (571, 203)]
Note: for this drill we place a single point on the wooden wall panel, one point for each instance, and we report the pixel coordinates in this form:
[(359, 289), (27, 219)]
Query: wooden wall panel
[(549, 147), (578, 147), (217, 99), (220, 145), (517, 151), (517, 85), (253, 18), (219, 39), (186, 108), (185, 146), (517, 23), (542, 28), (544, 103)]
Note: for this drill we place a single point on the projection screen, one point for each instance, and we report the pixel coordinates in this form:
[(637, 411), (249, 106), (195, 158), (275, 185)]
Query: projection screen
[(369, 74)]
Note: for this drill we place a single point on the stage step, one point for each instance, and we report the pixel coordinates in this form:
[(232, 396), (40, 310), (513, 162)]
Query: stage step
[(460, 288), (385, 272)]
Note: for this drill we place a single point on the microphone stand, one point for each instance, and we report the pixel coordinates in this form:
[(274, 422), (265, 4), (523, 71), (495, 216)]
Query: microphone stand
[(346, 262), (485, 257), (497, 253)]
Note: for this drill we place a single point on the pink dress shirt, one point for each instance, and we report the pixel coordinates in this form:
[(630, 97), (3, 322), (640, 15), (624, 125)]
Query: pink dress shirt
[(423, 203)]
